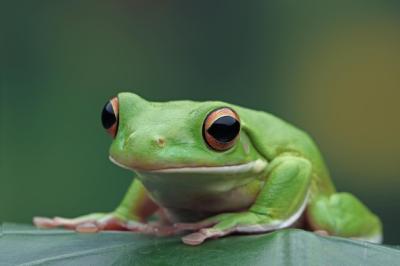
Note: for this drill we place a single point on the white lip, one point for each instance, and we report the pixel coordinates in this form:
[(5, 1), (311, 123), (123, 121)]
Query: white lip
[(256, 166), (119, 164)]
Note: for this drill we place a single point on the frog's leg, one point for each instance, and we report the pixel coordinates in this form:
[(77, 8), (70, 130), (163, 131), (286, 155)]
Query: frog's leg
[(342, 214), (131, 214), (279, 204)]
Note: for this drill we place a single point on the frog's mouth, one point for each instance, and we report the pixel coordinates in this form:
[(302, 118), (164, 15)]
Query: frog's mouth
[(256, 166)]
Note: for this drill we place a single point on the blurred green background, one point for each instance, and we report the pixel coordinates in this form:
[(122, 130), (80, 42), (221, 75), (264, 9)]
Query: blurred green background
[(332, 69)]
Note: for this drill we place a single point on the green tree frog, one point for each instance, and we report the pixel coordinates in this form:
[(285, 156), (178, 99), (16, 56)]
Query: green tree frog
[(213, 169)]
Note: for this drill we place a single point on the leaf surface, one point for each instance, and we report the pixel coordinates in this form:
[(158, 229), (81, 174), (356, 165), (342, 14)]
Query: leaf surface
[(26, 245)]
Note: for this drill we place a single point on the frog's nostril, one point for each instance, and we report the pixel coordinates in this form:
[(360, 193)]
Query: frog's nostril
[(160, 141)]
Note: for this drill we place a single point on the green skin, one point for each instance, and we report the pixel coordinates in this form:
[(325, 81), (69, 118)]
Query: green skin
[(273, 177)]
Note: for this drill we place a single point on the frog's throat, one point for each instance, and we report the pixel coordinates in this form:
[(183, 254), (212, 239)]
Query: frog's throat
[(256, 166)]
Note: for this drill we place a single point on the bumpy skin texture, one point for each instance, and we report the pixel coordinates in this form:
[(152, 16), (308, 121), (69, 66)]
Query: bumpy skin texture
[(272, 177)]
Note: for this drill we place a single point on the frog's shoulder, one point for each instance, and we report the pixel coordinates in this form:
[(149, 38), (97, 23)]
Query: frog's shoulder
[(273, 131), (272, 136)]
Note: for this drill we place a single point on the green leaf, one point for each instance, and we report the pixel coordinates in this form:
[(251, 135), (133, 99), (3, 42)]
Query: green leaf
[(22, 244)]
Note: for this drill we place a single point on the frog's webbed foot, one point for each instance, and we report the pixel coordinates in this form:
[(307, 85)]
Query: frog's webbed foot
[(86, 224), (205, 230), (104, 221), (224, 224)]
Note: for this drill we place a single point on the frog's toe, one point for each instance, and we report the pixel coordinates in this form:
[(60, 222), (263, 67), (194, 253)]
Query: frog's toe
[(87, 228), (199, 237), (321, 232), (194, 239), (44, 222), (87, 223), (111, 223), (69, 223)]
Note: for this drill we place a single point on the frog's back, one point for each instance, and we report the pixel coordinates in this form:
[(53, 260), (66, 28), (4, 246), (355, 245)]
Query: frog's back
[(273, 136)]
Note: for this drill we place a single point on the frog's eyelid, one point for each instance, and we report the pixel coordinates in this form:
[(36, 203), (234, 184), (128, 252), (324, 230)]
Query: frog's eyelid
[(218, 113)]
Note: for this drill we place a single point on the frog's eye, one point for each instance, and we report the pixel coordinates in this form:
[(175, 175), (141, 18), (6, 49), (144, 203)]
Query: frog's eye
[(221, 129), (109, 116)]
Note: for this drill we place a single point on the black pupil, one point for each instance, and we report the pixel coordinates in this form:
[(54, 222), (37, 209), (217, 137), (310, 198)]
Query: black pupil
[(108, 116), (224, 129)]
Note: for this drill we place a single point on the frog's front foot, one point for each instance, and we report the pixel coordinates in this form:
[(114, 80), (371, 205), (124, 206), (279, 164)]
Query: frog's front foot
[(88, 223), (224, 224), (103, 221)]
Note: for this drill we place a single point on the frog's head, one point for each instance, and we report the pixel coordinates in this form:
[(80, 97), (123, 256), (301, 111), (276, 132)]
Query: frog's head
[(179, 136)]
